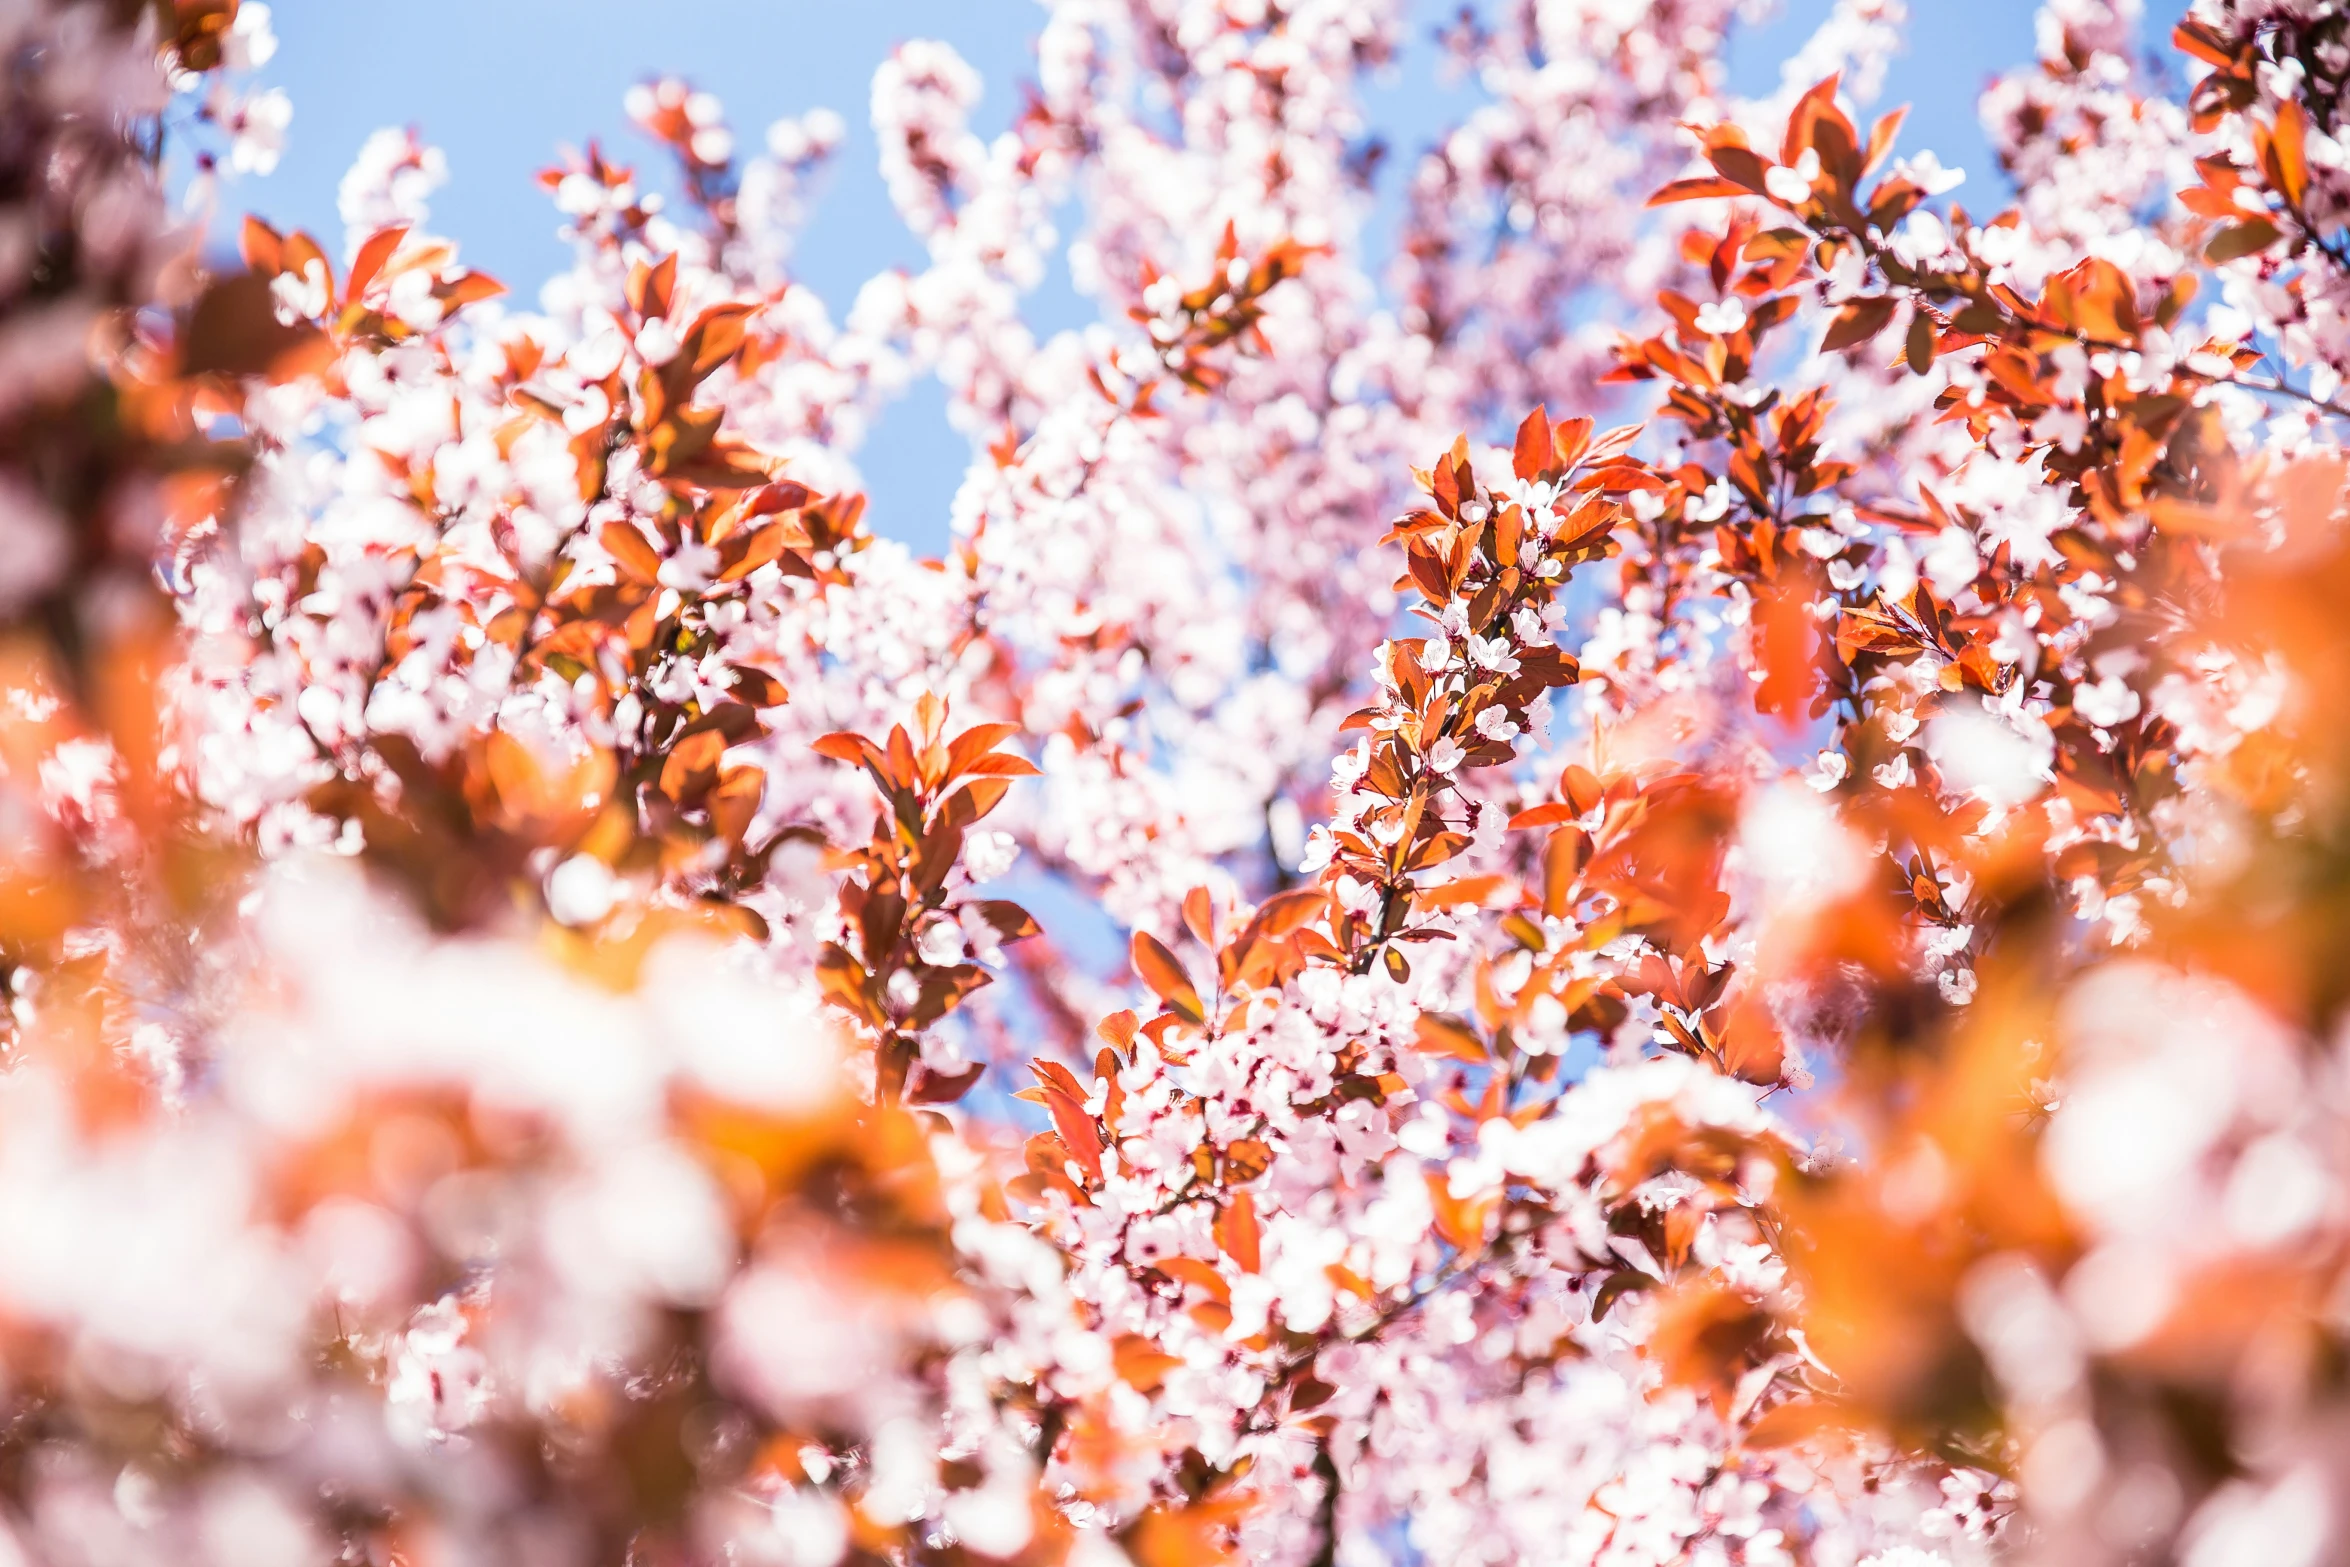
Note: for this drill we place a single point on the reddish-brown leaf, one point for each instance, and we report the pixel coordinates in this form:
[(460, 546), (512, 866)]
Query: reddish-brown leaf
[(1700, 187), (374, 251), (1165, 976), (627, 545), (692, 764), (1448, 1037), (2288, 151), (1001, 764), (1237, 1232), (844, 747), (1078, 1132), (1007, 919), (1532, 454), (1857, 323)]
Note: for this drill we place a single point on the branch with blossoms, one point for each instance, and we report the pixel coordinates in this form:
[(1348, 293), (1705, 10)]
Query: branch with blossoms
[(2084, 379), (1630, 861), (1191, 337), (1486, 564), (1187, 326), (644, 602), (2275, 185), (134, 370), (909, 925), (1872, 262), (1895, 1280)]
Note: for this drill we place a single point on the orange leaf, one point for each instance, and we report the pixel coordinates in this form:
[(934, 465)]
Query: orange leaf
[(1056, 1076), (1237, 1232), (974, 743), (1079, 1135), (1141, 1364), (2096, 298), (1570, 439), (1467, 889), (471, 289), (261, 244), (734, 803), (1002, 764), (1193, 1536), (1190, 1270), (628, 546), (1009, 921), (2196, 39), (530, 791), (1532, 454), (1817, 125), (1462, 1221), (716, 335), (692, 764), (1287, 912), (1562, 861), (757, 687), (648, 286), (1881, 137), (1787, 648), (1790, 1423), (1451, 1039), (1751, 1046), (2193, 519), (1706, 1337), (376, 250), (1199, 916), (1857, 323), (2287, 151), (844, 747), (1698, 188), (1163, 974)]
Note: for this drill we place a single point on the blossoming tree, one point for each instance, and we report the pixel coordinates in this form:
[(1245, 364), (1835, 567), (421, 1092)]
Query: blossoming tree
[(1722, 780)]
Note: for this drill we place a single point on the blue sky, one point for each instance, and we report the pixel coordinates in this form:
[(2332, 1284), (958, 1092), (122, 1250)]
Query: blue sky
[(501, 85)]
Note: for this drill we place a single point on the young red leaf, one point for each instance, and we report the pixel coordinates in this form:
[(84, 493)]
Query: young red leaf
[(1165, 976), (1237, 1232), (1531, 456), (373, 253), (1702, 187)]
